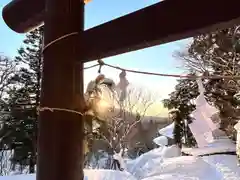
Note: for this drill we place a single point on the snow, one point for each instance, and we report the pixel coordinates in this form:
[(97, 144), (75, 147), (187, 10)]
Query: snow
[(218, 146), (170, 152), (225, 166), (19, 177), (167, 131), (118, 157), (184, 167), (214, 167), (140, 165), (98, 174), (157, 166), (103, 174), (237, 127), (166, 163), (154, 166), (161, 141)]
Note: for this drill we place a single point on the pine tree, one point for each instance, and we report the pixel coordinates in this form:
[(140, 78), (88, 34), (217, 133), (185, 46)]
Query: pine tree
[(214, 53), (218, 53), (181, 104), (23, 102)]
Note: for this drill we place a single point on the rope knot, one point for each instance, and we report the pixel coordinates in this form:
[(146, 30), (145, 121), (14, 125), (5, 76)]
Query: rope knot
[(123, 74), (101, 63)]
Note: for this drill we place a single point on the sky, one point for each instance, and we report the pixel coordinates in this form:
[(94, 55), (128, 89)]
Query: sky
[(155, 59)]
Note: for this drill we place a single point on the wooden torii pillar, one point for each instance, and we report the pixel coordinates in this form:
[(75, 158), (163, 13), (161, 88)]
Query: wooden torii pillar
[(61, 133), (60, 149)]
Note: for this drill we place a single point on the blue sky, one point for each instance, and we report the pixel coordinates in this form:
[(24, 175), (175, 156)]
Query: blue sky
[(156, 59)]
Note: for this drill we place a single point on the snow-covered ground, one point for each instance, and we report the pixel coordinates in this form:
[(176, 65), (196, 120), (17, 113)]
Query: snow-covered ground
[(155, 165), (213, 167), (167, 163)]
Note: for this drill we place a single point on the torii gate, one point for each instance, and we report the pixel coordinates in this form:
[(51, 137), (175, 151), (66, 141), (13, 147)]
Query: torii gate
[(61, 133)]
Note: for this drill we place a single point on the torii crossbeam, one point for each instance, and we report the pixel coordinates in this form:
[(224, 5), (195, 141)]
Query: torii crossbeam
[(61, 133)]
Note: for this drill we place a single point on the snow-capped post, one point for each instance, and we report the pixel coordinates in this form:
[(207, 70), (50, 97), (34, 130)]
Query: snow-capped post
[(118, 162)]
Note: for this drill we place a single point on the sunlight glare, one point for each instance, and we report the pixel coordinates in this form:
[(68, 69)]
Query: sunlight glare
[(103, 105)]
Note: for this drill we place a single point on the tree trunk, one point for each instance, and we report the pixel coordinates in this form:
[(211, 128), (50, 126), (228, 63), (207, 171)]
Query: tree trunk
[(32, 165)]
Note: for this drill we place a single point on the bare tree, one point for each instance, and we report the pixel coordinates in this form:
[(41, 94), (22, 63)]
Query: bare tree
[(219, 49), (116, 122), (122, 119), (5, 163), (7, 70)]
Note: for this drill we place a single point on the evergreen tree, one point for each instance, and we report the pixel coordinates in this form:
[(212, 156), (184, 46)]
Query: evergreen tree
[(181, 104), (24, 98), (214, 53), (218, 54)]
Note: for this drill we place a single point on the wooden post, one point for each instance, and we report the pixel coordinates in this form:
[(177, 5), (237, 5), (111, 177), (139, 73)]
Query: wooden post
[(60, 143)]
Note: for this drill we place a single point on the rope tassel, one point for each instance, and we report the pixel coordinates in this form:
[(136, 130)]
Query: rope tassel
[(123, 83)]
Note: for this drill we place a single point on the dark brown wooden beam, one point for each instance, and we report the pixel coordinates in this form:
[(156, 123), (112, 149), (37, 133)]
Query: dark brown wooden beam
[(163, 22), (60, 141), (23, 15)]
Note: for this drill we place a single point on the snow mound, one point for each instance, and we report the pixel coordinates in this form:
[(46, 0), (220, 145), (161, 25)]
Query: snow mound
[(98, 174), (167, 131), (218, 146), (140, 165), (170, 152), (104, 174), (161, 141), (145, 164), (225, 166), (182, 168), (19, 177), (155, 165), (162, 164)]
